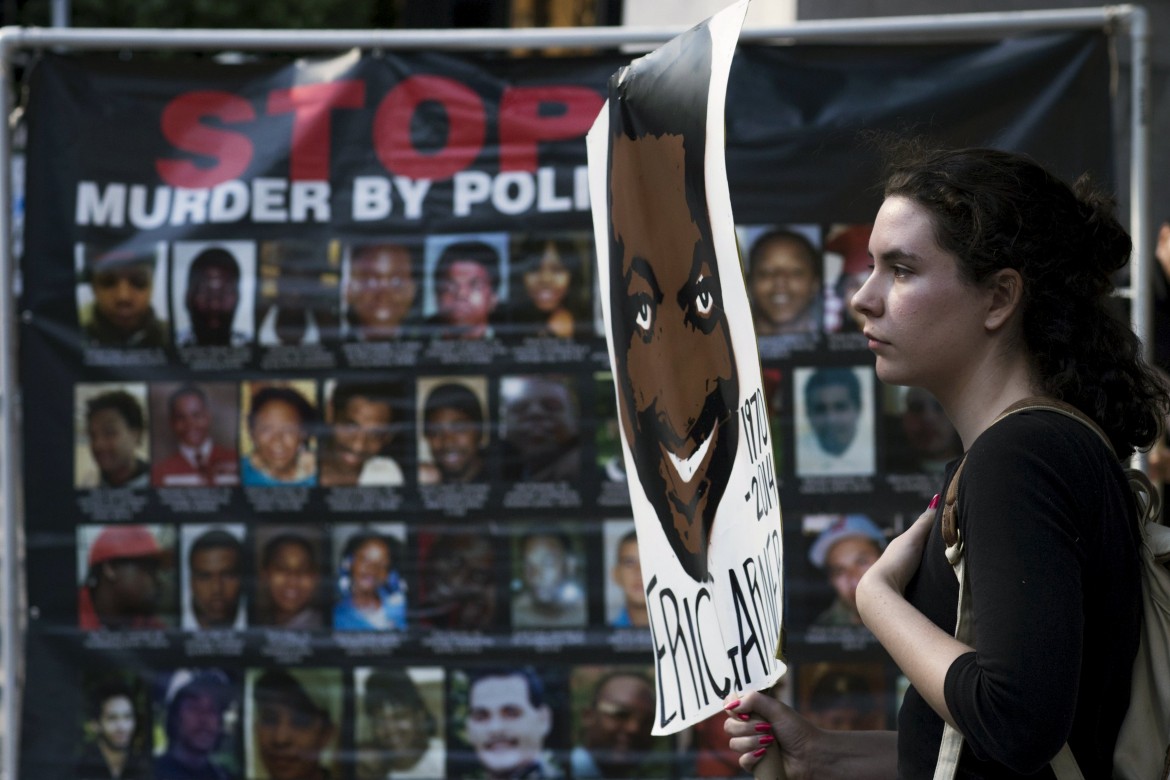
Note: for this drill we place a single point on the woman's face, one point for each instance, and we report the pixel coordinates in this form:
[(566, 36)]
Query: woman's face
[(369, 568), (547, 283), (278, 432), (292, 579), (923, 321)]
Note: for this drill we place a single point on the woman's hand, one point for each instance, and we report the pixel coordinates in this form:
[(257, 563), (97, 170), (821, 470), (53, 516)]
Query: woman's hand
[(757, 723), (901, 559), (922, 650)]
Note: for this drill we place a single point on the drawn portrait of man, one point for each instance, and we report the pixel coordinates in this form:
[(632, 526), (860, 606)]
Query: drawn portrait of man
[(667, 312), (688, 389)]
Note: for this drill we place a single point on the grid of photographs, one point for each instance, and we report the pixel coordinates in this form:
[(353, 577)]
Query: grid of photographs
[(308, 511)]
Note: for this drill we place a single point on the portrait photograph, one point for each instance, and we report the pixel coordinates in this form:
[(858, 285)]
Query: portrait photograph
[(465, 293), (122, 296), (551, 284), (213, 293), (612, 716), (380, 281), (367, 439), (835, 551), (292, 722), (370, 591), (278, 426), (548, 577), (115, 726), (845, 695), (401, 723), (847, 266), (453, 426), (292, 571), (298, 299), (194, 434), (200, 712), (625, 593), (214, 567), (463, 578), (540, 428), (834, 415), (111, 435), (507, 721), (127, 577), (784, 272)]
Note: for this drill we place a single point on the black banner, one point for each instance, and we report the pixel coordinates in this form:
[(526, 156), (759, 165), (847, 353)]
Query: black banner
[(319, 435)]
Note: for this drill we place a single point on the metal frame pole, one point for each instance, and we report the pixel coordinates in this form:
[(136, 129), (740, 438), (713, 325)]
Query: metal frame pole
[(10, 563)]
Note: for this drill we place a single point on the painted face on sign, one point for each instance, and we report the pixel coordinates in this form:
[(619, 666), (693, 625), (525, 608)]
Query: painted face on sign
[(675, 367)]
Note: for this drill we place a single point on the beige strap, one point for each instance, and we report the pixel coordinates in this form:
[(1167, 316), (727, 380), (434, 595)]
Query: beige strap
[(1064, 766), (951, 747)]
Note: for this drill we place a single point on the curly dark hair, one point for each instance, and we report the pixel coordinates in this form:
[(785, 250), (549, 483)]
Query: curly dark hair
[(119, 401), (993, 210)]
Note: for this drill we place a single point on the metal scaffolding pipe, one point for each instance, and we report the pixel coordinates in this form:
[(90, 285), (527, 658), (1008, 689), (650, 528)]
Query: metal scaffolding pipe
[(949, 27)]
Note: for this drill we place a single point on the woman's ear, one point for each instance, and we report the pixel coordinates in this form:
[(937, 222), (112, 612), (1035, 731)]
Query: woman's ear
[(1005, 295)]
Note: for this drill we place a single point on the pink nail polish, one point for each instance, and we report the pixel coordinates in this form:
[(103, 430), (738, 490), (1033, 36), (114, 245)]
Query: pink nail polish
[(934, 502), (767, 739), (762, 727), (743, 716), (731, 705), (760, 752)]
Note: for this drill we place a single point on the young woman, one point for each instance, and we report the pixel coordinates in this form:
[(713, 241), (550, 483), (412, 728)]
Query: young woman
[(279, 422), (551, 272), (990, 284)]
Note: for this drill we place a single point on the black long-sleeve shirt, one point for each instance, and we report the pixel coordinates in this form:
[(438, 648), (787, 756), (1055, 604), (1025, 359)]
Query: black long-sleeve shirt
[(1047, 519)]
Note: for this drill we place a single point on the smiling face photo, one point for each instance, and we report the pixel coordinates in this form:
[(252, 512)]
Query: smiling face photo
[(668, 313)]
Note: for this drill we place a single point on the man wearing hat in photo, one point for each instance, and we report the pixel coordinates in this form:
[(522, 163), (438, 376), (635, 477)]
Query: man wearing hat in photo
[(290, 729), (196, 703), (299, 304), (844, 551), (121, 588), (122, 316)]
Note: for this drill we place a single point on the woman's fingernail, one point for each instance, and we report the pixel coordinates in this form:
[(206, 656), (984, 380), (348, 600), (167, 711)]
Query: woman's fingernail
[(744, 716), (763, 727), (934, 502), (767, 739), (731, 705), (760, 752)]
